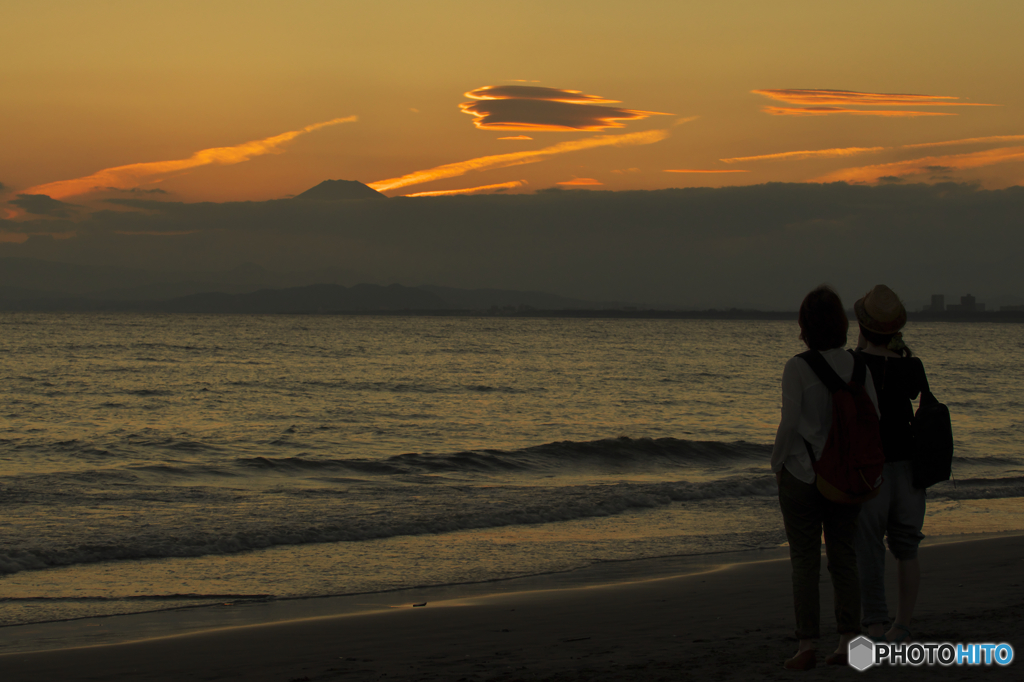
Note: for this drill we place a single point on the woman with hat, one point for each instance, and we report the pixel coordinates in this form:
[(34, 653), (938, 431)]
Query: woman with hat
[(897, 513)]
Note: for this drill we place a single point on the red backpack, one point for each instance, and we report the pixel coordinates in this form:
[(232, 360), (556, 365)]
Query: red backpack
[(849, 469)]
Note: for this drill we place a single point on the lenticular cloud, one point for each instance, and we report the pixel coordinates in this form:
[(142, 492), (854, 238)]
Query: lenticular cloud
[(522, 107)]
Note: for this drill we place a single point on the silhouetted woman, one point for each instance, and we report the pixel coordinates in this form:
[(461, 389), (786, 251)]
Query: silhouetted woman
[(806, 419), (898, 510)]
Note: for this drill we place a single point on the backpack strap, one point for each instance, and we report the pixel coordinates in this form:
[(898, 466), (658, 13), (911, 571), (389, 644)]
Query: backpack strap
[(860, 367), (833, 382)]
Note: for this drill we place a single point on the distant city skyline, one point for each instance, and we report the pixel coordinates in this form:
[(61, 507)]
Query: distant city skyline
[(968, 304)]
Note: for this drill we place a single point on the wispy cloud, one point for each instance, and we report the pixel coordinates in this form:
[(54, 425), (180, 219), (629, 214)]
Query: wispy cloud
[(516, 137), (928, 164), (452, 170), (855, 151), (703, 170), (132, 175), (809, 154), (969, 140), (828, 111), (523, 107), (580, 182), (815, 102), (470, 190), (810, 97)]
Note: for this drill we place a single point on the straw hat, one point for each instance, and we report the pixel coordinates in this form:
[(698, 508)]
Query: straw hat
[(881, 311)]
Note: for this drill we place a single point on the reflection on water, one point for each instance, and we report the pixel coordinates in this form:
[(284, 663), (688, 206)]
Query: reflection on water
[(152, 461)]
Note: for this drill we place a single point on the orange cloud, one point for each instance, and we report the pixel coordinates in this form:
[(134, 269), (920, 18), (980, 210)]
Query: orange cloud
[(496, 92), (811, 102), (851, 98), (969, 140), (580, 182), (927, 164), (516, 137), (813, 154), (698, 170), (527, 107), (469, 190), (827, 111), (453, 170), (127, 177)]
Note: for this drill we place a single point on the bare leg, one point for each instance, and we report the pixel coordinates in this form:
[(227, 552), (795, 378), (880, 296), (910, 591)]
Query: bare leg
[(908, 572), (806, 645)]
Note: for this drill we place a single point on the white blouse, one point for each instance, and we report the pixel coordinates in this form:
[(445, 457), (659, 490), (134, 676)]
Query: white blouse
[(807, 412)]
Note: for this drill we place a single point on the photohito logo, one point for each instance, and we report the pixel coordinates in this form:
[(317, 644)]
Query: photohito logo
[(863, 653)]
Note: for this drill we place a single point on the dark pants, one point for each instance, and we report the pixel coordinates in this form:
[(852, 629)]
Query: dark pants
[(806, 512)]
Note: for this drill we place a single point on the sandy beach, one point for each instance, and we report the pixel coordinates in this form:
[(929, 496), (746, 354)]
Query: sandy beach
[(731, 622)]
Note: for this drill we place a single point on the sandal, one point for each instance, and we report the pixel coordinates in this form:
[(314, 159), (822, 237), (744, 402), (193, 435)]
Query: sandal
[(900, 638)]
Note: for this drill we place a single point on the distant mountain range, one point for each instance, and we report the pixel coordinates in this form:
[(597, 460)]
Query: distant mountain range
[(29, 284)]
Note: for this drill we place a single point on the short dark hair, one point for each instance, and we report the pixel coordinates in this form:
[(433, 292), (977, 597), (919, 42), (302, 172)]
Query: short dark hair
[(823, 322)]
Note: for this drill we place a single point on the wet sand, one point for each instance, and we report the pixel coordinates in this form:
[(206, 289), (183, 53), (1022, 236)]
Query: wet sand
[(732, 622)]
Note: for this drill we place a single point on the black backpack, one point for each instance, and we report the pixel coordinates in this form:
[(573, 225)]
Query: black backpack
[(933, 441)]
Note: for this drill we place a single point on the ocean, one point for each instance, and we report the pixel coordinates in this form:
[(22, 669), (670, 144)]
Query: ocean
[(154, 462)]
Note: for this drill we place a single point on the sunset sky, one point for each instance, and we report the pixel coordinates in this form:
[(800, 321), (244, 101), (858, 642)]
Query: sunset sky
[(225, 101)]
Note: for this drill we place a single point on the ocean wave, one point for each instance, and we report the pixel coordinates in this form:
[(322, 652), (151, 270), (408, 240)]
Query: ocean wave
[(149, 392), (177, 445), (140, 597), (183, 470), (978, 488), (611, 455), (72, 448), (300, 464), (986, 460), (229, 520), (485, 388), (310, 517)]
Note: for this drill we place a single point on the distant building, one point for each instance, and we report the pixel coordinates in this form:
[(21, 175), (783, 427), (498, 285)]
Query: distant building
[(938, 304), (1012, 308), (968, 304)]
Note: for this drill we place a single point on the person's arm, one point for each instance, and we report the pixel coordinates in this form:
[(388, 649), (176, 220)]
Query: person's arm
[(920, 384), (792, 397)]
